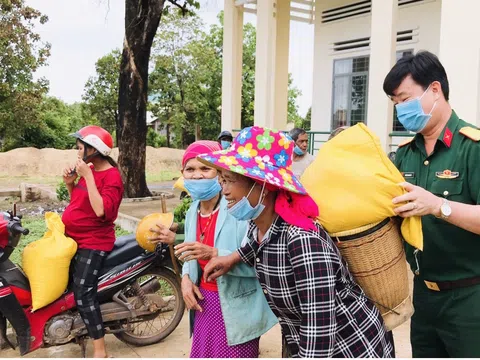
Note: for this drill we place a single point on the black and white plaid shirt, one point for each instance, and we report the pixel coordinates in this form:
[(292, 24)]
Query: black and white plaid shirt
[(322, 311)]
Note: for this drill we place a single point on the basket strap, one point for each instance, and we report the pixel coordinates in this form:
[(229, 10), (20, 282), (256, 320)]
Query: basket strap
[(376, 302)]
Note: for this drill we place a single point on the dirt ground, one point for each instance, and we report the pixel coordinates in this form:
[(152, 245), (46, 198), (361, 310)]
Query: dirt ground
[(34, 162), (177, 345)]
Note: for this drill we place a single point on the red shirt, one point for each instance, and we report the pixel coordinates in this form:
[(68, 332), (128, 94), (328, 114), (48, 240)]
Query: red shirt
[(81, 222), (206, 225)]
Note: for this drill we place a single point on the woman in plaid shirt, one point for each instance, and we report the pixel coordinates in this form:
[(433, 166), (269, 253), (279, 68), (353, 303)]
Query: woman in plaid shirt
[(322, 311)]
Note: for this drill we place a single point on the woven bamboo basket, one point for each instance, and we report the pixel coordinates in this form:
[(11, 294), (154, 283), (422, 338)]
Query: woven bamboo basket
[(376, 259)]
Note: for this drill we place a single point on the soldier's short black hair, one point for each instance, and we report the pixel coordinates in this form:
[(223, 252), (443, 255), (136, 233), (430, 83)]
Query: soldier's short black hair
[(424, 67)]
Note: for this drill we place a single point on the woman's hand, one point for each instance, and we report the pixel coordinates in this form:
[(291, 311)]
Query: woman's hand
[(191, 293), (68, 177), (162, 234), (195, 250), (83, 169), (220, 266)]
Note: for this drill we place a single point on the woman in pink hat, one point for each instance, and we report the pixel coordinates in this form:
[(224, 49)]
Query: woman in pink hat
[(322, 311), (227, 316)]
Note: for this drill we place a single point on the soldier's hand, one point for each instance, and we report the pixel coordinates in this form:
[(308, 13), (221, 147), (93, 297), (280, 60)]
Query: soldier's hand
[(417, 202)]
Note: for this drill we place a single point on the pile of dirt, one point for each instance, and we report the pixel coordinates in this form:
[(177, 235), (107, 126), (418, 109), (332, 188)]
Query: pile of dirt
[(51, 162)]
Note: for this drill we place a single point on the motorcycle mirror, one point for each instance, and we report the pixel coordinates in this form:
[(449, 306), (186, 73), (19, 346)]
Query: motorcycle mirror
[(14, 209)]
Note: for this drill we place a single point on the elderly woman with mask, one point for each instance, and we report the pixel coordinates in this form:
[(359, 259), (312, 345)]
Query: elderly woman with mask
[(322, 311), (227, 316)]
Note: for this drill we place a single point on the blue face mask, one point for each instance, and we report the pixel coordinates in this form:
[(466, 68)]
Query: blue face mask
[(243, 211), (298, 151), (202, 189), (411, 115), (225, 144)]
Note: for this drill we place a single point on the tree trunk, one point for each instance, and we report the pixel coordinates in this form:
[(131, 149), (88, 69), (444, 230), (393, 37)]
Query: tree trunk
[(141, 22), (168, 135), (198, 132), (117, 129)]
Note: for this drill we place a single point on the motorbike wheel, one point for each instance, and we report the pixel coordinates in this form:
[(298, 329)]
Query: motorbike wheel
[(156, 328)]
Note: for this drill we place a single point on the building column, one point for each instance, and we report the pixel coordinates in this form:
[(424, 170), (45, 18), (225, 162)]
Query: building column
[(382, 57), (271, 67), (459, 52), (282, 47), (322, 87), (264, 63), (232, 66)]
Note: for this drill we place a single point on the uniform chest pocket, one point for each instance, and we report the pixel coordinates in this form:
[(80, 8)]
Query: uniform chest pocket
[(447, 187)]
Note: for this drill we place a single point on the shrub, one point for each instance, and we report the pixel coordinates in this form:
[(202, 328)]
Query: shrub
[(62, 192), (155, 140), (180, 212)]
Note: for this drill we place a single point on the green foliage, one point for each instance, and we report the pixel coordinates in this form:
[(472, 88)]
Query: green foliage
[(120, 232), (304, 123), (37, 228), (185, 84), (54, 121), (21, 53), (101, 91), (293, 94), (180, 213), (155, 139), (307, 122), (62, 192)]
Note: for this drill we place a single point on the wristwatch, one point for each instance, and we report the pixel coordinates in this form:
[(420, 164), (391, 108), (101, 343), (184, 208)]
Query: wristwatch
[(445, 209)]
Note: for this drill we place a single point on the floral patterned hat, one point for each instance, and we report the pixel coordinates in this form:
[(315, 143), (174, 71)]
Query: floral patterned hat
[(259, 153)]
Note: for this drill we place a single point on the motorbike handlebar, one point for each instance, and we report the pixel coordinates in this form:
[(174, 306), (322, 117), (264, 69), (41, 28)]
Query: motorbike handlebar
[(19, 229)]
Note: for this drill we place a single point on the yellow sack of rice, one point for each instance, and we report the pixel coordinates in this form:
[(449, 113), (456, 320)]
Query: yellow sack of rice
[(353, 183), (46, 262)]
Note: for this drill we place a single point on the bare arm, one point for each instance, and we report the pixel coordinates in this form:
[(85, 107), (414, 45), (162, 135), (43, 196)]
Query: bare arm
[(421, 202)]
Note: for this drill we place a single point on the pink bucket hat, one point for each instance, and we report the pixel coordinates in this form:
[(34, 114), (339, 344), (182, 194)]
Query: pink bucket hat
[(261, 154)]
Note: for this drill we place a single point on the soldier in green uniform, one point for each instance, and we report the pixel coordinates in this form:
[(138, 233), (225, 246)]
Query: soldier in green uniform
[(441, 165)]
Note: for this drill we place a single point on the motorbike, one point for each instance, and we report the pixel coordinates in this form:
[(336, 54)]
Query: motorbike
[(139, 294)]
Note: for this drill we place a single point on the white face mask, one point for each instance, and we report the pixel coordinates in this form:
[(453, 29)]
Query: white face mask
[(244, 211)]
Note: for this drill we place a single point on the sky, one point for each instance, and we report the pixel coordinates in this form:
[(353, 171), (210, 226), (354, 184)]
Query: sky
[(82, 31)]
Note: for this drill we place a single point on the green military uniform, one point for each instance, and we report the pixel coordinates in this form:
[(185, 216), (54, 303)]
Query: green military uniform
[(446, 323)]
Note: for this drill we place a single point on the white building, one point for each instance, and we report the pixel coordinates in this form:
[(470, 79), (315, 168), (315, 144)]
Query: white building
[(356, 43)]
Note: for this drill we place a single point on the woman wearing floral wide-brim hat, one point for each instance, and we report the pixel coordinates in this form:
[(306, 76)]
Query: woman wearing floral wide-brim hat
[(322, 311)]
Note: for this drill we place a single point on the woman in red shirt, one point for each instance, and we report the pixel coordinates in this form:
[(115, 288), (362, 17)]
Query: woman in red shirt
[(88, 219)]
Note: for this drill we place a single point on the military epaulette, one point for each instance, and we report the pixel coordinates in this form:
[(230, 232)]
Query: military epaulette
[(471, 133), (406, 142)]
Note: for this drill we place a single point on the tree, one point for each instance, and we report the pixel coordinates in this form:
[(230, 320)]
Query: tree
[(307, 122), (186, 83), (101, 91), (178, 79), (54, 121), (141, 22), (293, 94), (21, 53)]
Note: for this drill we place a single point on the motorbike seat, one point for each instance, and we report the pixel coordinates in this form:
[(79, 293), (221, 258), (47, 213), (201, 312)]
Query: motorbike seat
[(124, 249)]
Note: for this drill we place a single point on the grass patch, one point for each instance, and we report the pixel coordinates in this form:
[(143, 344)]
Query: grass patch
[(14, 182), (120, 232), (7, 180), (37, 227), (161, 176)]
